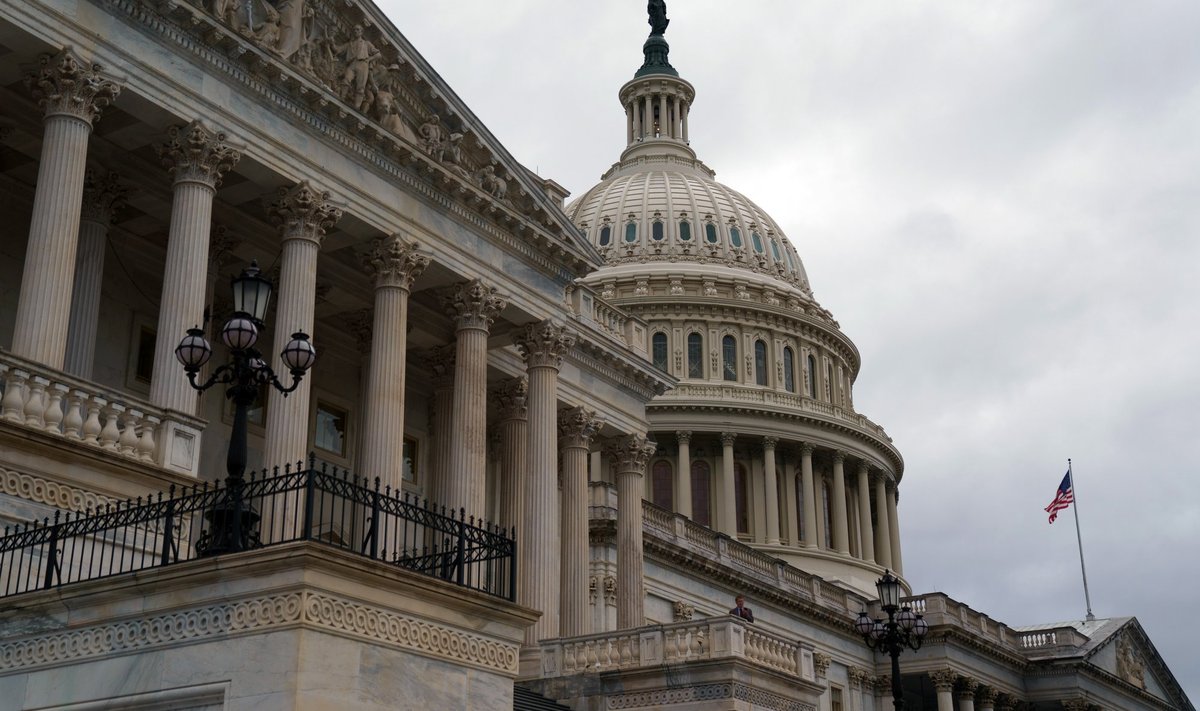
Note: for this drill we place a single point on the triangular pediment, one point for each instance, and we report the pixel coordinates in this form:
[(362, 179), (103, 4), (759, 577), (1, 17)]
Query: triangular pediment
[(347, 60), (1128, 654)]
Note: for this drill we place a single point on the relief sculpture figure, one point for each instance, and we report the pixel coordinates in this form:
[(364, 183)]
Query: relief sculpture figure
[(357, 53)]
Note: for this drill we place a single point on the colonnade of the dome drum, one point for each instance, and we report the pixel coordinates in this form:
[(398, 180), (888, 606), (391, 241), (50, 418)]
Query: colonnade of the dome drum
[(656, 107), (773, 492)]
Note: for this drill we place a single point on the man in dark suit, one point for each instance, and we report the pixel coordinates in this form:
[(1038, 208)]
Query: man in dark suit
[(741, 610)]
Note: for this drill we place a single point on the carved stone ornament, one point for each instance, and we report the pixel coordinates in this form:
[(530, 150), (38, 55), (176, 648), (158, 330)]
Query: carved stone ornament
[(728, 438), (821, 662), (682, 611), (512, 399), (577, 426), (473, 304), (491, 183), (610, 590), (544, 344), (361, 323), (987, 696), (1130, 666), (593, 582), (63, 84), (221, 244), (103, 196), (943, 679), (683, 436), (632, 453), (441, 361), (303, 212), (394, 262), (193, 153), (967, 687)]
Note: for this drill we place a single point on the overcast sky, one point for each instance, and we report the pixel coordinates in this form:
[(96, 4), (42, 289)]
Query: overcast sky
[(998, 201)]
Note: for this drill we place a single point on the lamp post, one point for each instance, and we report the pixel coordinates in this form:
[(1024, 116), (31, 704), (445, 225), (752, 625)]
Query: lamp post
[(231, 522), (902, 628)]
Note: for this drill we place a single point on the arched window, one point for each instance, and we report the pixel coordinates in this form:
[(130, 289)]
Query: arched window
[(685, 231), (701, 493), (740, 500), (828, 383), (729, 358), (775, 251), (605, 235), (710, 233), (631, 232), (735, 236), (760, 362), (656, 231), (810, 377), (758, 243), (789, 369), (695, 355), (658, 348), (662, 485)]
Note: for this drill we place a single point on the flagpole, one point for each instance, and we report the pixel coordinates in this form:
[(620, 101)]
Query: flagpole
[(1079, 537)]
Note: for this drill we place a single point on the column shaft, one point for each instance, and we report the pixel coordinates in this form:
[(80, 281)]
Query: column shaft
[(883, 537), (85, 298), (727, 507), (790, 503), (894, 531), (683, 475), (632, 454), (864, 513), (771, 483), (811, 539), (576, 427), (287, 417), (841, 530), (468, 453)]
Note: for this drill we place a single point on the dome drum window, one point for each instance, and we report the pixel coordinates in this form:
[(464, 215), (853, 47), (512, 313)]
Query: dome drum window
[(656, 231), (760, 362), (710, 233), (735, 237), (729, 358), (695, 355), (605, 235), (658, 347), (685, 231), (631, 232), (757, 241)]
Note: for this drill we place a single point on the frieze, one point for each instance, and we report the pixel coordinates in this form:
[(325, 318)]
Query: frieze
[(658, 698), (51, 493)]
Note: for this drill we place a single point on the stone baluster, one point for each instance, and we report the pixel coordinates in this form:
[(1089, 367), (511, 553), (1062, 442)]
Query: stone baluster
[(576, 428), (631, 453), (771, 482), (866, 535), (13, 404), (54, 412), (72, 94), (474, 306), (302, 214), (110, 436), (146, 445), (809, 492), (395, 263), (103, 196), (543, 346), (127, 444), (943, 682), (683, 474), (73, 422), (883, 536), (841, 531), (511, 399), (894, 529), (91, 425), (196, 157), (441, 362), (727, 504), (35, 405)]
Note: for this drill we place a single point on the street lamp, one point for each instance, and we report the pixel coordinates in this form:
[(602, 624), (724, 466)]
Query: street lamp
[(231, 522), (902, 628)]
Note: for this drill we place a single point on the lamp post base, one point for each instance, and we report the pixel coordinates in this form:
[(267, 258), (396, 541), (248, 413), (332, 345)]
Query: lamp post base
[(232, 527)]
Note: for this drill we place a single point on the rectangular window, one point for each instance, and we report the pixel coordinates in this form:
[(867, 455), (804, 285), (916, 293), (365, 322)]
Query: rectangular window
[(330, 435), (835, 699), (144, 366), (410, 460)]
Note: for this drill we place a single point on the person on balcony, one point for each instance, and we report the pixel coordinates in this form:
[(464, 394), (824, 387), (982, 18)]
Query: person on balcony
[(741, 610)]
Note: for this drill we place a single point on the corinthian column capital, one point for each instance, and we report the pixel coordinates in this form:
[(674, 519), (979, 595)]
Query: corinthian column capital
[(394, 262), (727, 438), (103, 196), (769, 443), (632, 452), (512, 399), (967, 687), (683, 436), (197, 154), (473, 304), (943, 679), (577, 426), (303, 212), (806, 448), (544, 344), (63, 84)]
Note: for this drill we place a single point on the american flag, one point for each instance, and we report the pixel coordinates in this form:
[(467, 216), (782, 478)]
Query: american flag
[(1062, 498)]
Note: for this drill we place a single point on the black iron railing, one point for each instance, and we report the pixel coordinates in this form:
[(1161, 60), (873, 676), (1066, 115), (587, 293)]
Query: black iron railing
[(325, 505)]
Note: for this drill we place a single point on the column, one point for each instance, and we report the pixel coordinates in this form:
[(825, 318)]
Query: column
[(966, 693), (631, 453), (576, 428), (811, 539), (72, 94), (820, 486), (883, 536), (790, 502), (103, 196), (302, 215), (440, 361), (664, 125), (943, 682), (686, 110), (683, 474), (474, 306), (894, 529), (675, 118), (196, 157), (511, 400), (841, 531), (538, 549), (394, 263), (987, 699), (635, 110), (727, 505), (629, 124), (648, 118), (864, 512), (771, 483)]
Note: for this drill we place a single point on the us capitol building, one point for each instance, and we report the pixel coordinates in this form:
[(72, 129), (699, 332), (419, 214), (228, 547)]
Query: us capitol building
[(542, 446)]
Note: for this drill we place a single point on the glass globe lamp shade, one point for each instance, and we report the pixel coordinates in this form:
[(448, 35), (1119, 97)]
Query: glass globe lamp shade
[(889, 590), (239, 333), (879, 629), (864, 624), (920, 627), (299, 355), (193, 351), (251, 293), (906, 618)]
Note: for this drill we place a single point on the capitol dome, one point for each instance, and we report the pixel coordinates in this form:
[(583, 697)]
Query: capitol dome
[(759, 439)]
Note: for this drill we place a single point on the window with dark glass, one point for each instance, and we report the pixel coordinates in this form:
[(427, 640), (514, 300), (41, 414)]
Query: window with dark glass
[(829, 383), (702, 493), (775, 250), (729, 358), (811, 377), (710, 233), (662, 485), (789, 369), (685, 231), (695, 355), (735, 237), (656, 231), (631, 232), (741, 501), (758, 243), (760, 362), (658, 348), (605, 235)]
